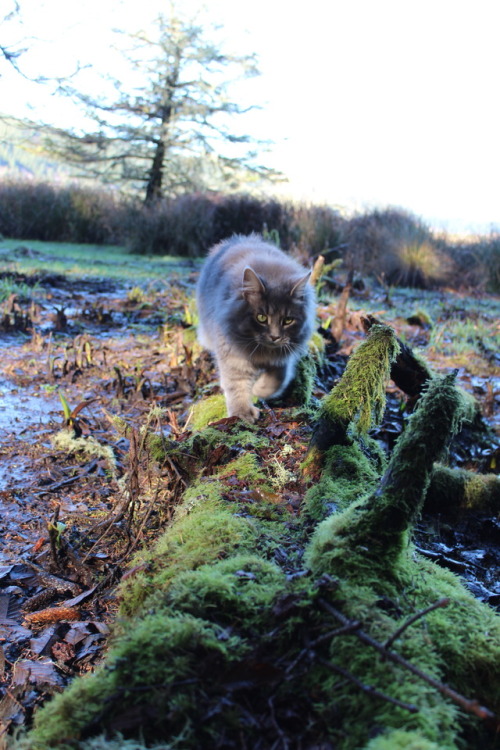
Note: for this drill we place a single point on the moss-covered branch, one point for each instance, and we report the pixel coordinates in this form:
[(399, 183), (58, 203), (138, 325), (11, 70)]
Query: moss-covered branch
[(410, 372), (456, 491), (374, 530), (359, 395)]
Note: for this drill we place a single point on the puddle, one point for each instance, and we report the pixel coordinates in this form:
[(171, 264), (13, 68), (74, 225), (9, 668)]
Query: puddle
[(21, 412), (23, 417)]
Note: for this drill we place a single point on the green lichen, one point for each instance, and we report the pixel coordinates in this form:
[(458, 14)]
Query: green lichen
[(87, 447)]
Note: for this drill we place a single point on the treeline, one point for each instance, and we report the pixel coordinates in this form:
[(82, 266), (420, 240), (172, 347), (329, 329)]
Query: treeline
[(392, 245)]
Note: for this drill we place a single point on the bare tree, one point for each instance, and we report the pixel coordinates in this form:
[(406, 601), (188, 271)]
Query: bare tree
[(11, 53), (171, 132)]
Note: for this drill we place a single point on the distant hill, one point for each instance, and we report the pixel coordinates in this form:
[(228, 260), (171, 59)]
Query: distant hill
[(22, 153)]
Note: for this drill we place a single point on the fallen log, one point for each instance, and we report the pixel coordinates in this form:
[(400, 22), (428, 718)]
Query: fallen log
[(249, 626)]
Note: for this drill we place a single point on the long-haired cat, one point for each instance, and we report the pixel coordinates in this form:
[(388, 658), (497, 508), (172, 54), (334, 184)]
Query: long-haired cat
[(256, 314)]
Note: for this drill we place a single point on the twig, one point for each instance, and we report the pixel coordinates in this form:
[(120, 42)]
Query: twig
[(414, 618), (317, 270), (61, 585), (351, 627), (338, 323), (471, 706), (280, 732), (354, 625), (134, 542), (369, 689), (70, 480)]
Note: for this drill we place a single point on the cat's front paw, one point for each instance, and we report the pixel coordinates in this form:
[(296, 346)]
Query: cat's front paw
[(248, 413)]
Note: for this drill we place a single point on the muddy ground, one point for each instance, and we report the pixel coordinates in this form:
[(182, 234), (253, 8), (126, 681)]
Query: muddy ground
[(85, 351)]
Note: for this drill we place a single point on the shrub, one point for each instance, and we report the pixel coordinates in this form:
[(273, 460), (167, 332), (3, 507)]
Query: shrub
[(180, 226), (397, 247), (391, 245), (416, 264), (244, 214), (477, 263), (59, 213), (317, 229)]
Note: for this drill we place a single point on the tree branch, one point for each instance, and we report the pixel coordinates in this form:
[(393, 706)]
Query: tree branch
[(471, 706)]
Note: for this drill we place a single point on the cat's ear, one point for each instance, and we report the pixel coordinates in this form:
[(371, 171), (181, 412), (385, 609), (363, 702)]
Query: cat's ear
[(299, 288), (252, 284)]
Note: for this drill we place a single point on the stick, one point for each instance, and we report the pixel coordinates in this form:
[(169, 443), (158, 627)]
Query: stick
[(367, 688), (414, 618), (471, 706)]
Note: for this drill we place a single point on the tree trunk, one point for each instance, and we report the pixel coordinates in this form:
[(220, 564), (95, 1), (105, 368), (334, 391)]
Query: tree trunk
[(154, 185), (155, 178)]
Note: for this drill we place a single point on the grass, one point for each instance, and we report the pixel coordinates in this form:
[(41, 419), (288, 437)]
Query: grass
[(32, 257), (9, 286)]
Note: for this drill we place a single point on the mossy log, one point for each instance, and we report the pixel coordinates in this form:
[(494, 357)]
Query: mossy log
[(250, 626), (408, 371), (373, 531), (456, 491), (360, 393)]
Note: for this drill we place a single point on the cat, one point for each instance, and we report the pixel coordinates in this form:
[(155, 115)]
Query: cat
[(256, 314)]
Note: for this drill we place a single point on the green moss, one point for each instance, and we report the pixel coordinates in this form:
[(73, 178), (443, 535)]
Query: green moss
[(381, 521), (303, 382), (348, 474), (361, 390), (208, 410), (458, 490), (238, 591), (222, 632), (245, 467), (420, 318), (458, 645), (205, 530), (402, 740), (142, 674), (240, 435)]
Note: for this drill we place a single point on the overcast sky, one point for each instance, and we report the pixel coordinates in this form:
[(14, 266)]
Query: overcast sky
[(369, 102)]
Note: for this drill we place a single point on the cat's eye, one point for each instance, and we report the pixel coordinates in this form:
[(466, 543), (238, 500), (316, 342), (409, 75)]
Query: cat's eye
[(288, 321), (261, 318)]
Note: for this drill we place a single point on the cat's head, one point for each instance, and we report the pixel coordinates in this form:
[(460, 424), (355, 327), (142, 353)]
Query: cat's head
[(275, 315)]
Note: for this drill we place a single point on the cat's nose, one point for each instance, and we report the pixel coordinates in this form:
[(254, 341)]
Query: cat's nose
[(273, 338)]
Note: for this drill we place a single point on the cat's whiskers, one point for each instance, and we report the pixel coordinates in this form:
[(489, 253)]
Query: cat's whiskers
[(256, 347)]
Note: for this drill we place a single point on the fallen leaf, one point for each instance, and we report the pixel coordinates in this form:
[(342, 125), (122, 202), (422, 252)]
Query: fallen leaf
[(35, 672)]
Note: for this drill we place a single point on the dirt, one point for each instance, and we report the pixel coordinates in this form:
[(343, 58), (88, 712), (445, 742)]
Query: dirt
[(87, 350)]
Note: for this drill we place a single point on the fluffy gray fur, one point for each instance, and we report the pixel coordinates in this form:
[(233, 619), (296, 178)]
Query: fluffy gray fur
[(256, 315)]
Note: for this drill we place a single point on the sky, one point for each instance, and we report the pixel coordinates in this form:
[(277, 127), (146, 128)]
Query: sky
[(369, 103)]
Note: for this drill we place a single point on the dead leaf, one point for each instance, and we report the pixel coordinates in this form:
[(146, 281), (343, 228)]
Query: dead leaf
[(63, 652), (36, 673)]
